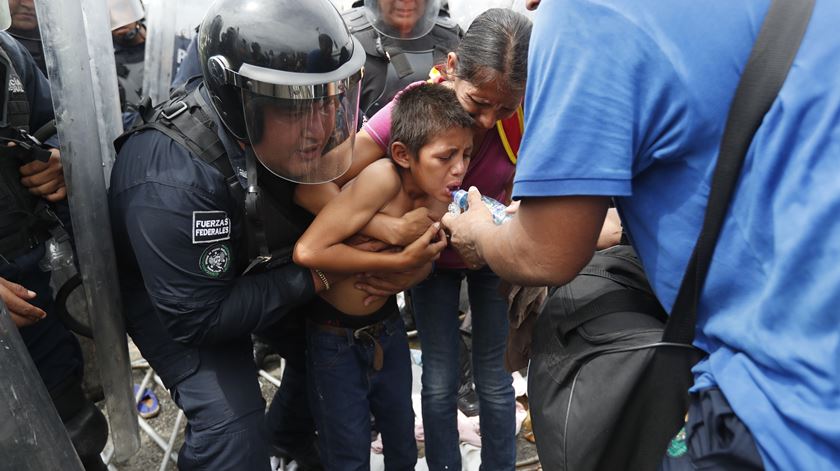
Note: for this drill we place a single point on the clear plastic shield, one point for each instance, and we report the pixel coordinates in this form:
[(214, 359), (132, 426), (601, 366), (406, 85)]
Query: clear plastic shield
[(80, 66), (304, 140), (402, 19), (32, 437), (170, 26)]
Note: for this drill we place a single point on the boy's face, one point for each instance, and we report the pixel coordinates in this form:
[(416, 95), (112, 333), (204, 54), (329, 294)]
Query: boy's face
[(440, 165)]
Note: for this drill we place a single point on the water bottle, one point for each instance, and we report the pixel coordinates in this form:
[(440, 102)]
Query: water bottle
[(460, 204)]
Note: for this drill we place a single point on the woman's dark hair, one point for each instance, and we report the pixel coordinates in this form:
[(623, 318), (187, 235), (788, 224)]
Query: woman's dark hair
[(495, 46)]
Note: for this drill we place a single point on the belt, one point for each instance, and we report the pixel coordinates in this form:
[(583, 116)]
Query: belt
[(369, 332)]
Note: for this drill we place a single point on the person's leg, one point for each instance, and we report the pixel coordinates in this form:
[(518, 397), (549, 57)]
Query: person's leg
[(436, 312), (390, 399), (338, 397), (289, 424), (224, 409), (494, 385)]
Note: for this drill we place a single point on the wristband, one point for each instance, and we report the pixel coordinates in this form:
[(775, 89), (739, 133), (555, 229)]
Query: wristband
[(323, 278)]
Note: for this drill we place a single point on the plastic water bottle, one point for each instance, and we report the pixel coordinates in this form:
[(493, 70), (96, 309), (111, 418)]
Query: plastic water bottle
[(460, 204)]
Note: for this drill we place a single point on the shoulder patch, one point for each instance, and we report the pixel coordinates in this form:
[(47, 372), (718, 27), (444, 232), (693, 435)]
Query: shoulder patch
[(215, 260), (210, 226)]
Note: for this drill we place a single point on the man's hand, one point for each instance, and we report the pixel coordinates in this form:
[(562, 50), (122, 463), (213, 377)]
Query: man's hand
[(463, 228), (426, 248), (382, 285), (16, 296), (45, 179)]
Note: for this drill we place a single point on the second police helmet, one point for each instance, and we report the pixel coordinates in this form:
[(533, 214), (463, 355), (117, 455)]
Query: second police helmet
[(284, 76)]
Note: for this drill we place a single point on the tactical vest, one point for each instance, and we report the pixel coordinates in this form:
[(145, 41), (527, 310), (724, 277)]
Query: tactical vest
[(25, 219), (392, 63), (273, 223), (129, 62)]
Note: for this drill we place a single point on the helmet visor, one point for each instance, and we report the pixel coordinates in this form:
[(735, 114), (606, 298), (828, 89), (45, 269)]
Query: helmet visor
[(304, 140), (402, 19)]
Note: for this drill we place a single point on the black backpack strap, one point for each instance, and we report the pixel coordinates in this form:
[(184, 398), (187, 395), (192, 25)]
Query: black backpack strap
[(763, 76), (619, 300)]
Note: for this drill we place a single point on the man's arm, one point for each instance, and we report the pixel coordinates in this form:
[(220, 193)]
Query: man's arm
[(323, 244), (192, 278), (547, 242)]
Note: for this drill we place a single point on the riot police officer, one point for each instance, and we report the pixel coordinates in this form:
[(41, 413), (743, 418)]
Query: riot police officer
[(129, 36), (403, 40), (204, 224), (31, 184)]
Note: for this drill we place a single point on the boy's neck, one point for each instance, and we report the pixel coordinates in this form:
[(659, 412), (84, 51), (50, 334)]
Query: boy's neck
[(409, 185)]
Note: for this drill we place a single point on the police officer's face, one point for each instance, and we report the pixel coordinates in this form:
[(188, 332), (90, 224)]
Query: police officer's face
[(23, 14), (293, 140), (402, 15)]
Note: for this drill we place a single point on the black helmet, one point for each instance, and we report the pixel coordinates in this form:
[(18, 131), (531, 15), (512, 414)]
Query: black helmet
[(284, 76)]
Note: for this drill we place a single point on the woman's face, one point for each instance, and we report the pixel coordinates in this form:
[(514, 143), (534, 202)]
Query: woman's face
[(487, 103)]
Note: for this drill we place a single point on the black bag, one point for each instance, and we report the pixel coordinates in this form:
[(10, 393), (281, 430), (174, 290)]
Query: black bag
[(608, 383), (592, 343)]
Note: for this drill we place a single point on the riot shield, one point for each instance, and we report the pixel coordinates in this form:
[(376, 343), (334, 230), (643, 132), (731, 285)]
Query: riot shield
[(32, 437), (86, 126), (169, 28)]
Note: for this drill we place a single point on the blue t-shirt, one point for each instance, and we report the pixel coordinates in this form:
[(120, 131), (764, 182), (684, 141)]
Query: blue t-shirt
[(629, 99)]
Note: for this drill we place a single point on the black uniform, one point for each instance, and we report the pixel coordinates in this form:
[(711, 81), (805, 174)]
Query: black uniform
[(25, 224), (182, 245), (392, 64)]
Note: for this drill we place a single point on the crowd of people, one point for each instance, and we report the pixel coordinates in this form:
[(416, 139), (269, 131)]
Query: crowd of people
[(300, 176)]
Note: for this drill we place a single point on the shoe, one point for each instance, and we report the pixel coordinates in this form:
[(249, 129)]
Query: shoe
[(148, 406), (306, 458), (468, 400), (467, 397), (407, 313)]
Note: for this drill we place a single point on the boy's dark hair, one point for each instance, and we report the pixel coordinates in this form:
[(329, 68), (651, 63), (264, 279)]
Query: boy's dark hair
[(423, 111)]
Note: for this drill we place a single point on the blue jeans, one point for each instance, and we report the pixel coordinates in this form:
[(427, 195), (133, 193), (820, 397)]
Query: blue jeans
[(436, 312), (344, 390)]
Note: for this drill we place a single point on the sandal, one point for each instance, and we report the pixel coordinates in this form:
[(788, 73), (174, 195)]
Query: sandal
[(148, 406)]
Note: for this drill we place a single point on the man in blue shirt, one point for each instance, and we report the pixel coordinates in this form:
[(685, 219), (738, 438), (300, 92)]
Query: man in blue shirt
[(630, 101)]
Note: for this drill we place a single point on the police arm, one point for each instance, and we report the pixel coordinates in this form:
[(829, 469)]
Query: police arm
[(16, 298), (398, 231), (547, 241), (323, 244), (44, 179)]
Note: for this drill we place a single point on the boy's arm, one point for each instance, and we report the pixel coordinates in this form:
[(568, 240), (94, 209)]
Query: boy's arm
[(389, 229), (322, 245)]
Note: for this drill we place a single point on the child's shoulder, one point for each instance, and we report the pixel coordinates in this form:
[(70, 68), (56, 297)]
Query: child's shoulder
[(382, 174)]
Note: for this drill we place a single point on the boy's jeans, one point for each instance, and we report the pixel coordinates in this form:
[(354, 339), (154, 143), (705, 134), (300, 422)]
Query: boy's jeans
[(344, 389)]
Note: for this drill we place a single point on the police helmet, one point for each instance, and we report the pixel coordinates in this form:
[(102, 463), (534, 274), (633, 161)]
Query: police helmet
[(402, 19), (284, 76), (125, 12)]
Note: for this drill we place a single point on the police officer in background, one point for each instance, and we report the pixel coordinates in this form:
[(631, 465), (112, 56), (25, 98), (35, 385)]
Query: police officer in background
[(204, 224), (31, 185), (403, 40), (129, 36)]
